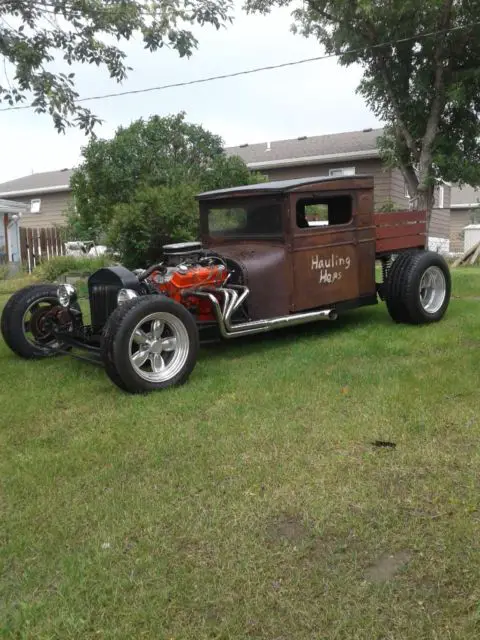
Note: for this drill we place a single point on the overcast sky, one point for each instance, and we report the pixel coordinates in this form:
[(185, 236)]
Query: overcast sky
[(309, 99)]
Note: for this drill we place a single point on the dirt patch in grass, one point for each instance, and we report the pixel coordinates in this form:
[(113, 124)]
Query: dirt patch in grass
[(387, 566), (287, 528), (471, 342)]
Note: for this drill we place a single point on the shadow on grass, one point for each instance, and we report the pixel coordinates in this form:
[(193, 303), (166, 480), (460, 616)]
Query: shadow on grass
[(263, 342)]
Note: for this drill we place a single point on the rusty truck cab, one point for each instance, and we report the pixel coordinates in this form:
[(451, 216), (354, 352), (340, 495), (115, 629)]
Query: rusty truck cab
[(297, 244)]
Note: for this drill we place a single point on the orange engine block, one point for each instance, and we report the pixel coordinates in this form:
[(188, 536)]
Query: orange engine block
[(194, 277)]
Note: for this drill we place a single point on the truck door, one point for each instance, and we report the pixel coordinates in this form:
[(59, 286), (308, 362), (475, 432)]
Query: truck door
[(325, 250)]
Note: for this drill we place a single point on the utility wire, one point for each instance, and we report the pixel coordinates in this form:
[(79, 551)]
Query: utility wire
[(246, 72)]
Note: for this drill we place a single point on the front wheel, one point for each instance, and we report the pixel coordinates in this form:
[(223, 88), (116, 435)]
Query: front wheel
[(418, 288), (149, 343), (29, 320)]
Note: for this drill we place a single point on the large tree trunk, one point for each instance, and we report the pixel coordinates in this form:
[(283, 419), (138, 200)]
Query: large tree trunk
[(422, 199)]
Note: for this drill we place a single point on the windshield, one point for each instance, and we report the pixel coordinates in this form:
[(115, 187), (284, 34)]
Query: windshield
[(255, 219)]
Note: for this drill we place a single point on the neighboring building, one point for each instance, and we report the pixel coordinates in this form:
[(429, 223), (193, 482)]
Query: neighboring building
[(464, 209), (46, 197), (10, 216), (348, 153)]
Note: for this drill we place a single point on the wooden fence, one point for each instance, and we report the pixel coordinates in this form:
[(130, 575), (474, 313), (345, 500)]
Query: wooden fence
[(39, 245)]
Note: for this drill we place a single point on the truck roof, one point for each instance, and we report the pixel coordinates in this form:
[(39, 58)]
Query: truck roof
[(280, 186)]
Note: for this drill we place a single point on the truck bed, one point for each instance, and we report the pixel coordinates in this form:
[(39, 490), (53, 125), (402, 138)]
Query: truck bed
[(400, 230)]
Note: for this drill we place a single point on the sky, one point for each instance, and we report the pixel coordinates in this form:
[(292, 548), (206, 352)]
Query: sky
[(309, 99)]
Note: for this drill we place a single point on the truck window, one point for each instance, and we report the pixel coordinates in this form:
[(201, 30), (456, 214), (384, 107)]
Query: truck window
[(326, 211), (254, 220)]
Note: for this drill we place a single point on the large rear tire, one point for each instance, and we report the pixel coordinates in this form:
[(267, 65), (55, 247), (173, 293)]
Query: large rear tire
[(149, 343), (418, 288), (23, 323)]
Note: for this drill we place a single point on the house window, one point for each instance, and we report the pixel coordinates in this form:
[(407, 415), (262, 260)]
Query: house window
[(344, 171), (35, 205), (318, 212)]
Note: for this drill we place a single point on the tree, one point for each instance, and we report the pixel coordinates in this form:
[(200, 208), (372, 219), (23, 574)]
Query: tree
[(138, 189), (156, 216), (33, 32), (159, 152), (426, 88)]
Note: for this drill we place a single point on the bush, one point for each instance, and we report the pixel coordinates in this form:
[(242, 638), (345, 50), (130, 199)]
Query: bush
[(4, 271), (52, 269), (156, 216)]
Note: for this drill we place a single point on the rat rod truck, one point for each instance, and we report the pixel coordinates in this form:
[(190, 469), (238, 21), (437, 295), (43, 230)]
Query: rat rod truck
[(271, 255)]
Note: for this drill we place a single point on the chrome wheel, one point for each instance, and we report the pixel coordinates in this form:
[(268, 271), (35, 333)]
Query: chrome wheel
[(35, 323), (433, 289), (159, 347)]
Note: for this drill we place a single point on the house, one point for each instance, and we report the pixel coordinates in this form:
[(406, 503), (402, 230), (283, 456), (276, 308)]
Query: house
[(10, 216), (44, 197), (464, 209), (48, 195), (349, 153)]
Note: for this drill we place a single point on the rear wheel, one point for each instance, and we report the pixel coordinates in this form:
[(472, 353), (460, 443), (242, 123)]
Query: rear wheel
[(27, 322), (150, 343), (418, 288)]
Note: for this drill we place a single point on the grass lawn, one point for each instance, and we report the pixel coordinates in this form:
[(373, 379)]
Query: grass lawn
[(250, 503)]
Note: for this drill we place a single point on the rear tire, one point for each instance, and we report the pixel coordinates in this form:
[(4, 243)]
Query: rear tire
[(149, 343), (418, 288)]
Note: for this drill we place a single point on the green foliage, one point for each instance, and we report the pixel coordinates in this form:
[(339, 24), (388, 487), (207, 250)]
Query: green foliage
[(153, 153), (386, 206), (316, 212), (426, 89), (138, 189), (4, 271), (51, 270), (32, 32), (250, 504), (156, 216), (228, 171), (77, 228), (227, 220)]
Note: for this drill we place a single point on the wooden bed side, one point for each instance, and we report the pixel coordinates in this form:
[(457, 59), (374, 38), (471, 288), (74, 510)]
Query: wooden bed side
[(400, 230)]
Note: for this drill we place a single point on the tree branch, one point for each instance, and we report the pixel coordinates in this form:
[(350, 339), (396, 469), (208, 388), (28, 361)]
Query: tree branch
[(380, 59), (409, 141), (438, 95)]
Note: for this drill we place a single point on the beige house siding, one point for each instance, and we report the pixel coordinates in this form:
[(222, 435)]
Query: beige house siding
[(381, 175), (447, 196), (459, 219), (397, 189), (52, 209), (440, 223), (440, 220)]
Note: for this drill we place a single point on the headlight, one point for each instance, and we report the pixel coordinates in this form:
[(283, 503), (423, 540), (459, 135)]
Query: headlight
[(126, 294), (66, 294)]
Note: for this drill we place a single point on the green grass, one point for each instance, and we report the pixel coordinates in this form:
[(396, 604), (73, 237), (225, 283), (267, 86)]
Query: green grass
[(250, 503)]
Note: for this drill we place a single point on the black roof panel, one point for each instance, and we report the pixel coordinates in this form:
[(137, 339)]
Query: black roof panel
[(277, 186)]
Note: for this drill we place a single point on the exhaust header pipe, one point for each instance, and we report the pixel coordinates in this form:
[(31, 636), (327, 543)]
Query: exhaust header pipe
[(233, 300)]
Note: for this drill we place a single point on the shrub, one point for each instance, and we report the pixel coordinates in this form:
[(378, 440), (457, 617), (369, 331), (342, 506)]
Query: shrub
[(4, 271), (51, 270), (156, 216)]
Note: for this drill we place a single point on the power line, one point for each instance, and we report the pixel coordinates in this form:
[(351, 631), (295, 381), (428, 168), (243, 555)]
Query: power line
[(246, 72)]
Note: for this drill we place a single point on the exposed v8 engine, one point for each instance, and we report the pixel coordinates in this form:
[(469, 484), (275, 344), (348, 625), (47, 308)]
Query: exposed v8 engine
[(186, 267)]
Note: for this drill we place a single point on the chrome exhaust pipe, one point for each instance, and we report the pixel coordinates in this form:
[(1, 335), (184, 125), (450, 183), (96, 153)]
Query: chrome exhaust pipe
[(232, 301)]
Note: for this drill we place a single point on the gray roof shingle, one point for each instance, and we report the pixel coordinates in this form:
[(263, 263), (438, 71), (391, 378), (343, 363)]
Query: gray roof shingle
[(350, 142), (40, 181)]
